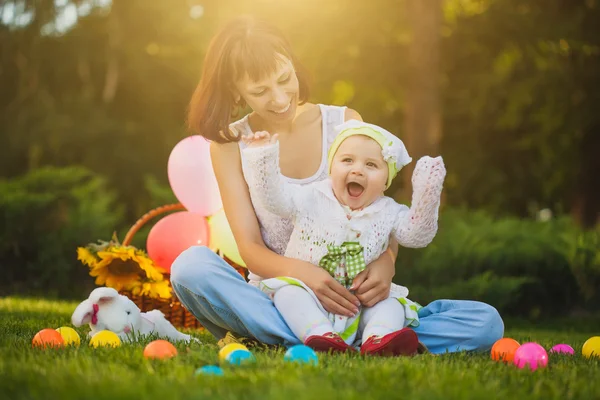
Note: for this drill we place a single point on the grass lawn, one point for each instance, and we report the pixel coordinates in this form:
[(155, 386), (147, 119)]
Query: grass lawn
[(87, 373)]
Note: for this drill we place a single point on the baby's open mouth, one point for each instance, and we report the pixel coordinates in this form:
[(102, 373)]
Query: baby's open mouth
[(355, 189)]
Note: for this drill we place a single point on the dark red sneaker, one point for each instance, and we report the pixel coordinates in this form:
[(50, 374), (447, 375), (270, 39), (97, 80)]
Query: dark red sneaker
[(328, 342), (400, 343)]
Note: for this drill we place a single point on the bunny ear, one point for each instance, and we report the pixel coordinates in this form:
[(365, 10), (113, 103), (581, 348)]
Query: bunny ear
[(83, 313), (103, 295)]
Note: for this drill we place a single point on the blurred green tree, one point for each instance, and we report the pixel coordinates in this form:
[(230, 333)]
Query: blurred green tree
[(516, 97)]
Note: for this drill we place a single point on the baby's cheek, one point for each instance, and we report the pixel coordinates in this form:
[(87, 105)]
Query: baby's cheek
[(338, 188)]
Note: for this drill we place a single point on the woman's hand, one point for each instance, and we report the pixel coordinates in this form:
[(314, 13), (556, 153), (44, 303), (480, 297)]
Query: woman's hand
[(373, 284), (333, 296), (259, 139)]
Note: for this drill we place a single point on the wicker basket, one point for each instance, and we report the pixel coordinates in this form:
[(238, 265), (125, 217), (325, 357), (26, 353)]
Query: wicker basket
[(174, 311)]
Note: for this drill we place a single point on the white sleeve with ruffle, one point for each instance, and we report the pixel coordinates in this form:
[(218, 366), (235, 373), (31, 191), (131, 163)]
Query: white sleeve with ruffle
[(267, 186), (417, 226)]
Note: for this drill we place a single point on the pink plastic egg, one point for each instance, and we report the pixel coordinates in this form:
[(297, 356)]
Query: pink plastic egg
[(532, 355), (562, 348)]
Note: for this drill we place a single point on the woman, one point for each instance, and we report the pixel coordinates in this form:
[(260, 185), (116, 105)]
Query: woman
[(249, 63)]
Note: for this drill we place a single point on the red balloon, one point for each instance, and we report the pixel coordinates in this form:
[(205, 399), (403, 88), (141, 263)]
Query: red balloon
[(175, 233)]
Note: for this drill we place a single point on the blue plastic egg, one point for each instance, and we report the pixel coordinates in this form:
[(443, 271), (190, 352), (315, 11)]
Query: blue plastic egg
[(301, 354), (240, 357), (209, 370)]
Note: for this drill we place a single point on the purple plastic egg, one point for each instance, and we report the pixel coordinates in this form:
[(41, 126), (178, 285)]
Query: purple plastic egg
[(532, 355), (562, 348)]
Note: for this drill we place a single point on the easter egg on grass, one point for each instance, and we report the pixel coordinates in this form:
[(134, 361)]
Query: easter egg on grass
[(69, 335), (160, 349), (229, 348), (301, 354), (531, 355), (562, 348), (209, 370), (504, 350), (47, 338), (105, 339), (591, 347), (240, 357)]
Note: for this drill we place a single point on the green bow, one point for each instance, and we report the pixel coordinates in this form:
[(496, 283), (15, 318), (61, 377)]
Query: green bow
[(355, 261)]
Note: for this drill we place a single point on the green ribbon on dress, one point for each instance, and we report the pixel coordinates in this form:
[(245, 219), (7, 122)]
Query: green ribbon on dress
[(352, 252)]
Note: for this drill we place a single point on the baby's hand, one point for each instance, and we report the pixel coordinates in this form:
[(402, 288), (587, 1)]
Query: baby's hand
[(260, 139), (429, 171)]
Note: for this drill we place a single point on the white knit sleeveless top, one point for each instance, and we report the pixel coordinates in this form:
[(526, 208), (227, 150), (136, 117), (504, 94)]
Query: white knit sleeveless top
[(275, 230)]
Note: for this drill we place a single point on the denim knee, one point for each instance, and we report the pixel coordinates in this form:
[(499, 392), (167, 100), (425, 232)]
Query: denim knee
[(194, 266)]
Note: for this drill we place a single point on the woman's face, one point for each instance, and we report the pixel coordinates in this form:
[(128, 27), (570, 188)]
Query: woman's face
[(274, 98)]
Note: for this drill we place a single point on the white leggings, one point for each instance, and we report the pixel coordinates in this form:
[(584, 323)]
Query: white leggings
[(304, 317)]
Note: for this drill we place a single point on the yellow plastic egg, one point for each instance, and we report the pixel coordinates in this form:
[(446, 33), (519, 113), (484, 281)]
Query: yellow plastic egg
[(224, 352), (105, 338), (69, 335), (591, 347)]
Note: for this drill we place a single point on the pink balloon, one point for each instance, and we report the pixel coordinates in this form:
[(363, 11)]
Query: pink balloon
[(192, 177), (532, 355), (175, 233)]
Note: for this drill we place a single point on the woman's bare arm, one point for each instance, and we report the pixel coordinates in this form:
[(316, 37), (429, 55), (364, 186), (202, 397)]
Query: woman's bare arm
[(241, 216)]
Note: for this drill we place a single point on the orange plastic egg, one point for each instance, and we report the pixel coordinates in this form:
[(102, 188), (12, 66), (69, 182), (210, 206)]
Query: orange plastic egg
[(504, 350), (160, 349), (48, 338)]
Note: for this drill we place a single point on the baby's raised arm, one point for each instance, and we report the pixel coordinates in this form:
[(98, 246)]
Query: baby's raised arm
[(417, 226)]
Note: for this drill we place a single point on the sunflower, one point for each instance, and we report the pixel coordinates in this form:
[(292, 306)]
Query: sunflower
[(124, 267), (116, 269), (153, 271), (151, 289), (86, 256)]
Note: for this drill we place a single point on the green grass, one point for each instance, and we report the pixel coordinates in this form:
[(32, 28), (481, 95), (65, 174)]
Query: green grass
[(87, 373)]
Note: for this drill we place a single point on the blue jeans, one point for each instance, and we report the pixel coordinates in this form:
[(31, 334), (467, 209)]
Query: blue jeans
[(222, 301)]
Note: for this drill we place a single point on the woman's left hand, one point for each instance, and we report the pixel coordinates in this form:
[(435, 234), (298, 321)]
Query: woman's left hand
[(373, 284)]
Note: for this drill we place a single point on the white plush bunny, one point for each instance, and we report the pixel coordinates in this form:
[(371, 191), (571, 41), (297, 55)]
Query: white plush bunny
[(106, 309)]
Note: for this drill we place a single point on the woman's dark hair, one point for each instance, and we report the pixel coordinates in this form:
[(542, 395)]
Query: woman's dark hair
[(244, 46)]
